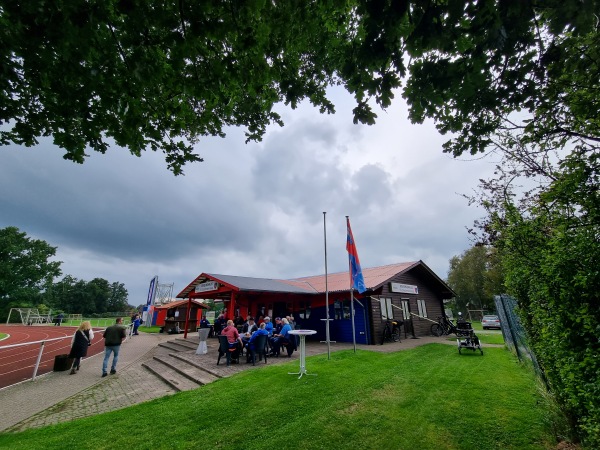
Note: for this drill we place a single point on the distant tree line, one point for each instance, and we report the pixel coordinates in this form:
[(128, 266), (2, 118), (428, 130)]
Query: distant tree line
[(27, 280), (476, 276)]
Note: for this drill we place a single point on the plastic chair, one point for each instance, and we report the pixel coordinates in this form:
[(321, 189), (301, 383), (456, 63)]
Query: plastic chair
[(224, 349), (202, 347), (259, 347), (290, 344)]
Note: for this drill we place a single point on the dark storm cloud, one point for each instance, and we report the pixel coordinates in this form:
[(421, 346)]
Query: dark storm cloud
[(118, 205), (301, 172), (251, 210)]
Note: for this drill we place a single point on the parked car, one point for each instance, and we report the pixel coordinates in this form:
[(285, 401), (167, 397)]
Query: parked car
[(490, 322)]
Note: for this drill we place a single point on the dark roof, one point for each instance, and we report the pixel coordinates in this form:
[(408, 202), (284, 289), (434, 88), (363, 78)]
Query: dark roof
[(261, 284)]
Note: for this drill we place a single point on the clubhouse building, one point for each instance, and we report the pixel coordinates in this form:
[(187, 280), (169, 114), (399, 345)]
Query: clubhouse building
[(410, 292)]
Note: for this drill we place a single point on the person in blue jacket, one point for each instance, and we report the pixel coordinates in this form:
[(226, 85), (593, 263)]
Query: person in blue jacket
[(282, 337), (268, 325), (136, 324), (250, 344)]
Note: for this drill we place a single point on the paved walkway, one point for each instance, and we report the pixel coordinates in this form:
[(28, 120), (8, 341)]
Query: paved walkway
[(51, 392), (59, 397)]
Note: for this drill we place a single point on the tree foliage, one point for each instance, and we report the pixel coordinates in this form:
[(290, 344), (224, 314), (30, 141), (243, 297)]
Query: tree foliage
[(552, 268), (161, 75), (476, 277), (26, 268), (27, 277), (544, 219), (97, 296)]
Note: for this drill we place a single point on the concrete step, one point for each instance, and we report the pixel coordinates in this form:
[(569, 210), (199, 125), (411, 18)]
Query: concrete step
[(186, 358), (192, 371), (190, 343), (172, 377), (176, 347)]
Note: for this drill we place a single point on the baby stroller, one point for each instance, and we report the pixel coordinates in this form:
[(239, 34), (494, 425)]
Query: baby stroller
[(466, 337)]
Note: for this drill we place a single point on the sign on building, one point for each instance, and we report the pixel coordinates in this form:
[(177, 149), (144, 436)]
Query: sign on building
[(404, 288), (207, 286)]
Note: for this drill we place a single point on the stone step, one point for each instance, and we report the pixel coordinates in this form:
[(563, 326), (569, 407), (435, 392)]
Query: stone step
[(189, 359), (190, 343), (176, 347), (170, 376), (185, 367)]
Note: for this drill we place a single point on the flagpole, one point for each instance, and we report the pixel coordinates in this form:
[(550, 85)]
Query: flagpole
[(326, 291), (351, 294)]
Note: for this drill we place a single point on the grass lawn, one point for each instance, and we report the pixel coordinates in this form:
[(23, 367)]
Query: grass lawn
[(152, 329), (490, 337), (106, 322), (427, 398), (96, 323), (485, 337)]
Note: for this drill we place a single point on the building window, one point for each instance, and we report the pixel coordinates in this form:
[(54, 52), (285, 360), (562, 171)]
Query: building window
[(341, 309), (422, 308), (386, 308), (337, 310), (304, 311), (405, 309)]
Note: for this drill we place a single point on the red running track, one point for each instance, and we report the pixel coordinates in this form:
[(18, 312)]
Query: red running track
[(17, 364)]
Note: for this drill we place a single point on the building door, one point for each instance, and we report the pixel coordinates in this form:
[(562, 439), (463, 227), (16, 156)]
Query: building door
[(279, 309)]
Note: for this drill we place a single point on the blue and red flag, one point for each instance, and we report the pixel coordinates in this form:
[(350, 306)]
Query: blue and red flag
[(356, 277)]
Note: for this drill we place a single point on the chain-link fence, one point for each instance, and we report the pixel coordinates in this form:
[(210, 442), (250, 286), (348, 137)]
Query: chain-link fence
[(514, 334)]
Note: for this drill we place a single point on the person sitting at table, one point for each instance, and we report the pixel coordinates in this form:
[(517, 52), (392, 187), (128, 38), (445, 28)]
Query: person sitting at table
[(268, 325), (249, 327), (233, 337), (219, 324), (239, 322), (277, 326), (294, 326), (250, 344), (281, 338), (247, 330)]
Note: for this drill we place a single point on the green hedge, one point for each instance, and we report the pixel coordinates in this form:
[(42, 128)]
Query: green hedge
[(553, 269)]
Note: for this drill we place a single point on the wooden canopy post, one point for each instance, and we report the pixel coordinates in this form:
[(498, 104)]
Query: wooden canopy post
[(232, 306), (187, 316)]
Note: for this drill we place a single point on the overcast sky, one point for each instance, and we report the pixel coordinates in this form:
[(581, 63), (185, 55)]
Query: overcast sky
[(249, 209)]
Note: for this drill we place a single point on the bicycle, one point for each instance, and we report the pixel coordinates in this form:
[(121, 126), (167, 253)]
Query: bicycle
[(443, 327), (391, 333)]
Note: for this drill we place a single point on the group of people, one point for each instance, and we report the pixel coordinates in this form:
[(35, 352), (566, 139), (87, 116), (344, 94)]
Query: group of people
[(278, 334), (82, 339)]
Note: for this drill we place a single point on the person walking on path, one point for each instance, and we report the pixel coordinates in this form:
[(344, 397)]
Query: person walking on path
[(136, 324), (113, 337), (82, 339)]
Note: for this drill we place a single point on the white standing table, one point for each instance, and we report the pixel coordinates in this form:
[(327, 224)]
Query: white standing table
[(302, 334)]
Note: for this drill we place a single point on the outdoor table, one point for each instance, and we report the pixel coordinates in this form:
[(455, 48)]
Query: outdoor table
[(302, 334)]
